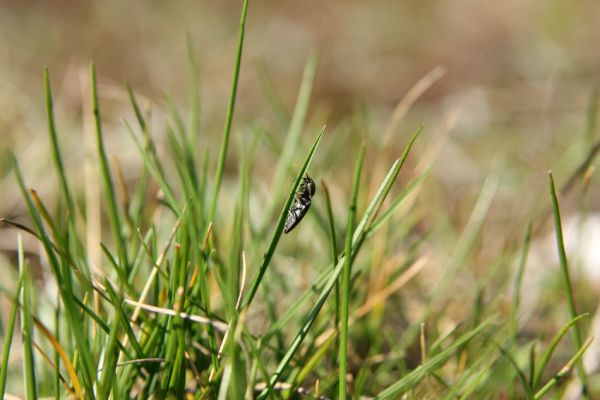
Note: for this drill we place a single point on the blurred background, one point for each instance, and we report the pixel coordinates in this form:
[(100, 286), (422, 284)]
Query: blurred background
[(513, 81), (520, 73)]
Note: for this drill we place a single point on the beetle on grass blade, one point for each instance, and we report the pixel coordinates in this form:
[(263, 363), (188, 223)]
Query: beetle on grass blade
[(301, 203)]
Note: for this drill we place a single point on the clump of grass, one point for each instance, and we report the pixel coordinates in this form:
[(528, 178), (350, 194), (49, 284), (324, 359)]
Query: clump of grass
[(187, 300)]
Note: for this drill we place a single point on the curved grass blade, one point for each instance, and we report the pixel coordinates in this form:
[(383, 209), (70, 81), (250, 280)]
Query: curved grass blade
[(545, 359), (564, 371)]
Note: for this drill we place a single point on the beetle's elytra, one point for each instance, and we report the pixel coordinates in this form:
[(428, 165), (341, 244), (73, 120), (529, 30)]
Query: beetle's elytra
[(301, 204)]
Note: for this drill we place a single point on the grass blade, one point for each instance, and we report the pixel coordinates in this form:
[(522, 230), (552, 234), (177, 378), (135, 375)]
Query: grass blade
[(564, 265), (334, 249), (519, 281), (8, 337), (515, 365), (27, 326), (109, 190), (56, 156), (347, 272), (229, 117), (384, 189)]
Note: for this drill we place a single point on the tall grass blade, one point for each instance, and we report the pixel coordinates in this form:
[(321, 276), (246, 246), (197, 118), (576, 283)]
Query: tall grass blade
[(229, 117), (334, 248), (564, 266), (519, 281), (56, 156), (8, 337), (27, 326), (108, 187), (347, 272)]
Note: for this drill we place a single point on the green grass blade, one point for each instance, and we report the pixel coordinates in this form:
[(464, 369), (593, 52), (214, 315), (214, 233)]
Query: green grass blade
[(8, 337), (136, 108), (312, 315), (518, 371), (56, 156), (564, 265), (57, 376), (331, 223), (229, 117), (317, 356), (280, 224), (109, 190), (155, 169), (398, 201), (384, 189), (334, 248), (194, 97), (347, 272), (111, 354), (27, 327), (519, 280)]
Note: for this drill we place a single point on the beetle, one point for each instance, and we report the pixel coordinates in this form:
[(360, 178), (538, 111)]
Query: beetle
[(301, 204)]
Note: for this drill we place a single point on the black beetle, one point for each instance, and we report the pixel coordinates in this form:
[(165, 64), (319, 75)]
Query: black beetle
[(301, 204)]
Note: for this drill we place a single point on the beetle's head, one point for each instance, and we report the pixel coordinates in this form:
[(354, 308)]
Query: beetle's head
[(310, 185)]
